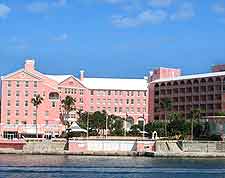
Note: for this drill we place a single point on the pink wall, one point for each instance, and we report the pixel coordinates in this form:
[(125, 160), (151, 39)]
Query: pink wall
[(48, 116)]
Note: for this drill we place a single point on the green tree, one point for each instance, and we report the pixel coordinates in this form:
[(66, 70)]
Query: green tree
[(166, 106), (157, 126), (195, 114), (68, 104), (36, 101)]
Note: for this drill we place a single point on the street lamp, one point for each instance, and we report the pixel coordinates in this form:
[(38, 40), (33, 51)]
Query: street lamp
[(106, 126), (87, 124)]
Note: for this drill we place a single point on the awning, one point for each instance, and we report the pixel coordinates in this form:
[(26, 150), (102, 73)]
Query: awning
[(76, 128)]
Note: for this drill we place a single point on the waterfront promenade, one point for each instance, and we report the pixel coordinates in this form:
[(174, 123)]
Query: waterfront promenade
[(115, 147)]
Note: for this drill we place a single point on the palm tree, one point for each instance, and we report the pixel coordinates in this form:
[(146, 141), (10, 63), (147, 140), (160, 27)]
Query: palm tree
[(37, 100), (166, 106), (195, 114), (68, 105)]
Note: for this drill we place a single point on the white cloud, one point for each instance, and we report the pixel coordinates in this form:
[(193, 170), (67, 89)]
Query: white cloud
[(4, 10), (184, 12), (61, 37), (160, 3), (38, 7), (219, 8), (145, 17)]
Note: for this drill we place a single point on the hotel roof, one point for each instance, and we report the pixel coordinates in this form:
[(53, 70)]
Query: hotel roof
[(106, 83), (187, 77)]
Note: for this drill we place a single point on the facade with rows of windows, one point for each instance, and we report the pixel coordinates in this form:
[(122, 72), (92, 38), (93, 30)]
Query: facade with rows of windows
[(205, 92), (122, 97)]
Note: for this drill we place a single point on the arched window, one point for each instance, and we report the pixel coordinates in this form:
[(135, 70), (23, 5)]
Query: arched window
[(175, 83), (182, 82), (168, 84), (53, 96), (210, 80), (203, 80), (157, 85), (218, 79), (196, 81), (163, 85), (189, 82)]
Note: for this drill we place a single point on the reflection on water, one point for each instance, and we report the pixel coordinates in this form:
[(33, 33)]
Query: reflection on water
[(36, 166)]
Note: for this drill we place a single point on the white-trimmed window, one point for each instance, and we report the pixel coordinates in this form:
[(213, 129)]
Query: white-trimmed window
[(26, 84), (9, 84), (127, 101), (8, 103), (26, 93), (8, 112), (17, 112), (26, 103), (9, 93), (26, 112), (17, 84), (17, 93), (17, 103), (132, 101), (121, 101)]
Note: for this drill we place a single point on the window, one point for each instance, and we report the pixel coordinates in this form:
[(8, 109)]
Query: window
[(26, 103), (17, 121), (92, 92), (103, 101), (128, 93), (81, 91), (121, 101), (120, 109), (127, 109), (9, 83), (34, 122), (116, 101), (92, 100), (34, 113), (92, 108), (17, 93), (9, 92), (115, 109), (26, 113), (46, 122), (35, 93), (26, 84), (17, 84), (127, 101), (53, 104), (26, 93), (98, 101), (8, 103), (145, 93), (109, 109), (8, 121), (109, 101), (17, 103), (109, 92), (65, 90), (115, 92), (138, 110), (144, 101), (132, 101), (138, 101), (8, 113), (132, 93), (121, 93), (144, 109), (17, 113), (81, 100), (138, 93), (132, 109)]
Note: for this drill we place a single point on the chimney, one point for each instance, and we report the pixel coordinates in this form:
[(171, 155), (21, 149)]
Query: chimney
[(82, 75), (29, 65)]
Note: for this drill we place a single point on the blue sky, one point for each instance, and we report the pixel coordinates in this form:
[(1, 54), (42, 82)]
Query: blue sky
[(112, 38)]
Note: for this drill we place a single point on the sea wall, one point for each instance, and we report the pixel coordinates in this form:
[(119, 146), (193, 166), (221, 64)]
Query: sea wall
[(113, 146)]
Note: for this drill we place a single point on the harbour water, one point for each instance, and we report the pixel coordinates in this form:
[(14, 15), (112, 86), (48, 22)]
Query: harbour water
[(36, 166)]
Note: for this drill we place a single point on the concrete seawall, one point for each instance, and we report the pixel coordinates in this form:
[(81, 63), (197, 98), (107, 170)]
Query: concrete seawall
[(102, 147)]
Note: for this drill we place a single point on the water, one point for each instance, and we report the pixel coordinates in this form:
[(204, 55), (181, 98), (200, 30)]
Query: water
[(35, 166)]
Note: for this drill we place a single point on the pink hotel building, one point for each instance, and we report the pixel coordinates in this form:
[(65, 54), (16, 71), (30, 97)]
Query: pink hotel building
[(116, 96), (134, 98)]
